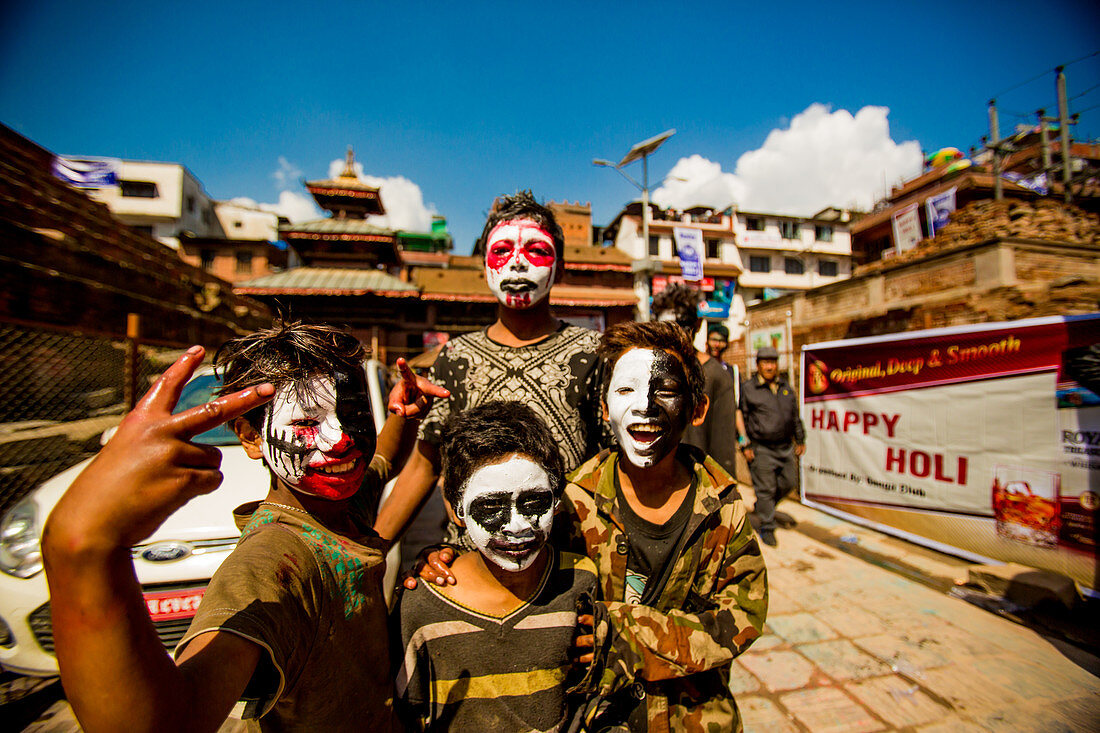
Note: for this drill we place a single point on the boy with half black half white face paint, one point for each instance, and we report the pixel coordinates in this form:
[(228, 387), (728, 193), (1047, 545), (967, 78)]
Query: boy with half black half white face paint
[(292, 628), (498, 652), (682, 584)]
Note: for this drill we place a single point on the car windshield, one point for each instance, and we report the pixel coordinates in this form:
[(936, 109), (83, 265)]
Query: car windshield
[(198, 391)]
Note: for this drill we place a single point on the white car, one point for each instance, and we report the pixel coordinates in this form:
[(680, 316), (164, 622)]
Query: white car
[(174, 565)]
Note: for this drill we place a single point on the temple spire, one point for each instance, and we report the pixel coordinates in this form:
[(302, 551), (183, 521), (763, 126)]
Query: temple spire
[(349, 165)]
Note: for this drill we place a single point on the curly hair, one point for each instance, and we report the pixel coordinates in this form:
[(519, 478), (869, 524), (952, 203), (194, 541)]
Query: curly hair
[(287, 353), (523, 205), (668, 337), (488, 433), (683, 302)]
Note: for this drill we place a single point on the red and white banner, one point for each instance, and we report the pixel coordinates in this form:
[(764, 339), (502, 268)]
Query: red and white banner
[(983, 439)]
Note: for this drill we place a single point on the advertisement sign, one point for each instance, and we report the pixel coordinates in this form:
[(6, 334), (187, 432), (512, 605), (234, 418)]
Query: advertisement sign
[(717, 304), (660, 282), (689, 248), (939, 209), (906, 228), (981, 440), (775, 336)]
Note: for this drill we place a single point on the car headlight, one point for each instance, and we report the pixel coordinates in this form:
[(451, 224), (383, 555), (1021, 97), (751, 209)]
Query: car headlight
[(20, 550)]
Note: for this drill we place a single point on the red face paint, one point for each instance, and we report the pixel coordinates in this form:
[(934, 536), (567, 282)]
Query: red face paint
[(520, 263)]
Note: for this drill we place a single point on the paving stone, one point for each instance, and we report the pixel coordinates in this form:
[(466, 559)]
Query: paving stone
[(897, 701), (767, 641), (1040, 682), (779, 670), (799, 628), (828, 710), (911, 653), (780, 602), (952, 724), (741, 680), (1023, 718), (852, 622), (761, 715), (1083, 713), (841, 660), (967, 690)]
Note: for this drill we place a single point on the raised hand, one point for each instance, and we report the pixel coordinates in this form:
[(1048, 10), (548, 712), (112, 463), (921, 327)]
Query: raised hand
[(435, 568), (412, 397), (150, 467)]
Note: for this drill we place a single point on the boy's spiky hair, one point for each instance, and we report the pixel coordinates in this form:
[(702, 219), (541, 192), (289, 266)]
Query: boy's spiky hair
[(488, 433), (668, 337), (523, 205), (683, 300), (287, 353)]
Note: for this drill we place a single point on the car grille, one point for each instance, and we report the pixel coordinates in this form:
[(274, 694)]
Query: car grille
[(198, 547), (170, 631)]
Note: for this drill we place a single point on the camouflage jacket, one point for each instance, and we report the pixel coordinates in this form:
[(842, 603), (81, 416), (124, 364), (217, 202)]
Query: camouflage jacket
[(675, 654)]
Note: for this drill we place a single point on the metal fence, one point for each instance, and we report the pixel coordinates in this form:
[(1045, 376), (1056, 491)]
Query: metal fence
[(58, 392)]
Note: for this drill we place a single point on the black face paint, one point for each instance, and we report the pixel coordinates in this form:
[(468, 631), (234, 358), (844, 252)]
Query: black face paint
[(289, 452), (353, 409), (667, 387), (493, 512)]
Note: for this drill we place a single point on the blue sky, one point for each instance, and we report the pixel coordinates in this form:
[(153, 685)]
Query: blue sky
[(470, 100)]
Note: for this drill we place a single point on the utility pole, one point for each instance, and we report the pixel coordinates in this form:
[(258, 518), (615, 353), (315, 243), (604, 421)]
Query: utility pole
[(995, 144), (1044, 140), (1063, 124)]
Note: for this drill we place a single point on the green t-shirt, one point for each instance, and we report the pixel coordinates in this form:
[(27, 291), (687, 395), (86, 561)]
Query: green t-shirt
[(313, 601)]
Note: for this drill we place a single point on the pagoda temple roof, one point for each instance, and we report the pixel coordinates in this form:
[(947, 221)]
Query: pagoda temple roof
[(342, 184), (356, 228), (469, 286), (328, 281)]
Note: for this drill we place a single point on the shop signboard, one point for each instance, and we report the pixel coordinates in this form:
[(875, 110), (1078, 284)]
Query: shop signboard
[(980, 440)]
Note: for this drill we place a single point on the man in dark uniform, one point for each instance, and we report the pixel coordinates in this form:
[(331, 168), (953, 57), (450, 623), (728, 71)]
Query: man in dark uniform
[(771, 437)]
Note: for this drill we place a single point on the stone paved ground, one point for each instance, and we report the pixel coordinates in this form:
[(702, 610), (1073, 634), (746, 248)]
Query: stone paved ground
[(853, 647)]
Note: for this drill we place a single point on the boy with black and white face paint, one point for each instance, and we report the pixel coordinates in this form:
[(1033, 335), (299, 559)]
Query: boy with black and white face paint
[(513, 609)]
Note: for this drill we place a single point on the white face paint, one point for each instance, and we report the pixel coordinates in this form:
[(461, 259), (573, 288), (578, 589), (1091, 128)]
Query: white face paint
[(305, 445), (647, 404), (520, 263), (508, 508)]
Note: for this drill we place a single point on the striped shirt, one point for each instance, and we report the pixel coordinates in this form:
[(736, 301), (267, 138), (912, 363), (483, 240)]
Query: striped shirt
[(468, 671)]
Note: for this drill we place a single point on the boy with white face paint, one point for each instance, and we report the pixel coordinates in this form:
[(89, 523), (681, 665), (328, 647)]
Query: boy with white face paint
[(292, 626), (498, 653)]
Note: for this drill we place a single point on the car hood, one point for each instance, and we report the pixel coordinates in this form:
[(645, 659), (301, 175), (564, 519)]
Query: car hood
[(205, 517)]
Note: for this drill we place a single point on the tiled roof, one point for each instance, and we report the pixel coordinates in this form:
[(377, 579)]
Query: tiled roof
[(328, 281), (579, 257), (351, 184), (332, 225)]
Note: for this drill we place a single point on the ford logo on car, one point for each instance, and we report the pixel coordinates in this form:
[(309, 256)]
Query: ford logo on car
[(166, 551)]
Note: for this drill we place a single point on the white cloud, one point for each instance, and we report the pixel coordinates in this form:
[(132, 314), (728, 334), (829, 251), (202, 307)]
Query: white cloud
[(288, 175), (402, 199), (823, 158), (294, 206)]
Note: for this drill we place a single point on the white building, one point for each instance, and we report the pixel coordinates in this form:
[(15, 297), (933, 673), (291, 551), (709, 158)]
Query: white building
[(164, 200), (783, 254), (748, 256)]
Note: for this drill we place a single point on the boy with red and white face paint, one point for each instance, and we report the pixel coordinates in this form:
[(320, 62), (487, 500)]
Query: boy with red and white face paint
[(526, 355), (307, 558)]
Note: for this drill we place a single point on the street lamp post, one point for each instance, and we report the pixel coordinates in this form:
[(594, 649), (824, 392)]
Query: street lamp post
[(646, 266)]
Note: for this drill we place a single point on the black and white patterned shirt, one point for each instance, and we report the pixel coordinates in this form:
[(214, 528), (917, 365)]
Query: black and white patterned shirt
[(557, 377)]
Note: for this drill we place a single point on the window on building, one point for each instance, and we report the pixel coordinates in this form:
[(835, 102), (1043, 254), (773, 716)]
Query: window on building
[(760, 263), (206, 259), (827, 268), (244, 262), (754, 223), (790, 230), (238, 224), (823, 233), (793, 266), (138, 189), (190, 204), (654, 246), (713, 249)]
